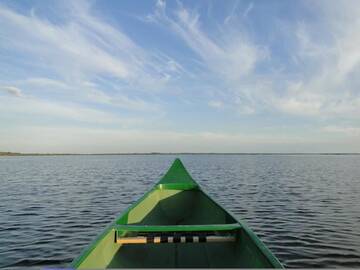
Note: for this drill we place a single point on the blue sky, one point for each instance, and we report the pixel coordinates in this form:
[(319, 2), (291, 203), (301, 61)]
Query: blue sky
[(179, 76)]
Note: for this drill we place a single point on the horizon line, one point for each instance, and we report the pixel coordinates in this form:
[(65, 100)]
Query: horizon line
[(6, 153)]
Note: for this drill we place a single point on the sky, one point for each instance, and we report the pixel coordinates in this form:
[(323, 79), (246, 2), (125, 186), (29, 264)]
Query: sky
[(179, 76)]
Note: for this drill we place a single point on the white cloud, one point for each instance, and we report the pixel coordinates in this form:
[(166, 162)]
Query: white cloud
[(216, 104), (327, 54), (86, 71), (248, 9), (12, 90), (86, 91), (84, 48), (230, 55), (44, 82), (65, 48), (161, 4), (232, 15), (124, 102), (44, 109), (79, 52), (328, 57)]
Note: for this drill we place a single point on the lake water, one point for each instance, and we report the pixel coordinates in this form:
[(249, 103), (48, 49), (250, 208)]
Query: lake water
[(305, 208)]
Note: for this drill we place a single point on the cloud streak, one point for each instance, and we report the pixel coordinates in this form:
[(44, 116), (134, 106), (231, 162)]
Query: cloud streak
[(231, 54), (84, 46), (183, 67), (81, 51), (322, 84), (54, 111), (330, 88), (12, 90)]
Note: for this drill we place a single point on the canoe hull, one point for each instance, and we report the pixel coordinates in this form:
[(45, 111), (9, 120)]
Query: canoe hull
[(177, 207)]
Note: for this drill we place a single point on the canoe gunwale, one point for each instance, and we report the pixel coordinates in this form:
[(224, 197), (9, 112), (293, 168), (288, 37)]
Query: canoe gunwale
[(177, 228)]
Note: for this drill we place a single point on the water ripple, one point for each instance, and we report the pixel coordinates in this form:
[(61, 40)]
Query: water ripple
[(305, 208)]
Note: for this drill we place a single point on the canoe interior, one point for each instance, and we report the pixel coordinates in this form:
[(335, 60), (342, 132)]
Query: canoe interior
[(184, 207), (176, 207), (240, 254)]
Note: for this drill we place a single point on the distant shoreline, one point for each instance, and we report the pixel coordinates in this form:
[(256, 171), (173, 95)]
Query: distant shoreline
[(10, 154)]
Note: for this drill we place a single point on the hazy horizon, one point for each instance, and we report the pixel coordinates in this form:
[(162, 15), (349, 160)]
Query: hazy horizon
[(2, 153), (180, 76)]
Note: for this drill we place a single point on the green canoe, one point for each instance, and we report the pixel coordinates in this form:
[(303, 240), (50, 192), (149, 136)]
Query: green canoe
[(176, 224)]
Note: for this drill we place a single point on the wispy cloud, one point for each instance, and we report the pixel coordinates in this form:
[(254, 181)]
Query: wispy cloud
[(323, 83), (248, 9), (231, 54), (66, 48), (54, 111), (12, 90), (216, 104), (186, 65), (122, 101), (85, 49), (228, 56), (43, 82), (328, 58)]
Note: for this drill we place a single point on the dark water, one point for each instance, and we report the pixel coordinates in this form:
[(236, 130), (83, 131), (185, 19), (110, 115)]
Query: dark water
[(305, 208)]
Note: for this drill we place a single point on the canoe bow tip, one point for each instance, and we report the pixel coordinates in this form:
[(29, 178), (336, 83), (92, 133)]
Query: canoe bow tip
[(177, 160), (178, 174)]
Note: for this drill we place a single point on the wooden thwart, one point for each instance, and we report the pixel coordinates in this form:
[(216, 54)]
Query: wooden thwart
[(174, 239)]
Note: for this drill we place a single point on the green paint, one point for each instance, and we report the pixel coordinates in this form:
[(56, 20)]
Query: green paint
[(177, 228), (176, 204), (103, 252), (177, 174)]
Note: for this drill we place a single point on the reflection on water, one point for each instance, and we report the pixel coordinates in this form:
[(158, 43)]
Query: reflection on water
[(305, 208)]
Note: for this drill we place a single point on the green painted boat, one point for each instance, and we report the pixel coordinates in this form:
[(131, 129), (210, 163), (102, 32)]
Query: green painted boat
[(176, 225)]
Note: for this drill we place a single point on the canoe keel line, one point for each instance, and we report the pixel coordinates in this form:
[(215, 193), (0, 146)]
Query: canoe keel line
[(176, 224)]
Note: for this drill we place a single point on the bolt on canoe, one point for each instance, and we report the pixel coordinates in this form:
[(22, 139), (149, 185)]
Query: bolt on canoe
[(176, 225)]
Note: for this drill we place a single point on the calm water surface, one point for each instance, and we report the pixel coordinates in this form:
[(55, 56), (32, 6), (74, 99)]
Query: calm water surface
[(305, 208)]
